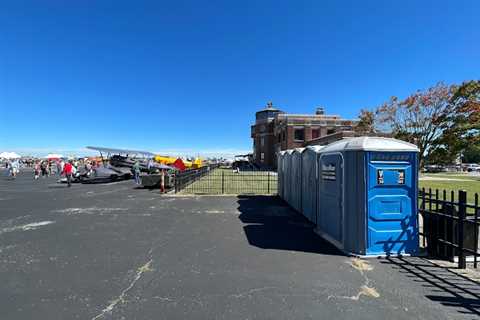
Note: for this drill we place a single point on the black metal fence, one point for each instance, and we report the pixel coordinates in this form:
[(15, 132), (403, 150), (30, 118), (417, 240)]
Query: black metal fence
[(221, 180), (188, 177), (449, 225)]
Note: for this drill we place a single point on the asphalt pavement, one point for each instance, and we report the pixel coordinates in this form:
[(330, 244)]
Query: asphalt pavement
[(113, 251)]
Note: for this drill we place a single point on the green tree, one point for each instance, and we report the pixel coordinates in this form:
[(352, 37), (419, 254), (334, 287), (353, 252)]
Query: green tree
[(461, 128), (471, 154), (367, 122), (418, 118)]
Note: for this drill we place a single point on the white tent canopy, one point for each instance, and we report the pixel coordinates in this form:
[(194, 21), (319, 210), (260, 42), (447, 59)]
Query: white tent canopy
[(9, 155), (54, 156)]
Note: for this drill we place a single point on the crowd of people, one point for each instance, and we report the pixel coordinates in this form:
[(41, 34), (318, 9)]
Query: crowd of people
[(47, 167), (59, 167)]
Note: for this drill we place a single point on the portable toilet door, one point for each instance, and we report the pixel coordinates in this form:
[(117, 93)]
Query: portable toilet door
[(330, 213), (392, 200), (309, 182), (297, 179)]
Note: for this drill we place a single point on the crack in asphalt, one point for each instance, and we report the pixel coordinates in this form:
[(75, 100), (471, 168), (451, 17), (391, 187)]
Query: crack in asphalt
[(366, 289), (121, 298)]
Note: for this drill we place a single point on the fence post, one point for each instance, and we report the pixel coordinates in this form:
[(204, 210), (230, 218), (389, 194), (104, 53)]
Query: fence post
[(268, 182), (223, 182), (425, 220), (462, 208), (176, 183)]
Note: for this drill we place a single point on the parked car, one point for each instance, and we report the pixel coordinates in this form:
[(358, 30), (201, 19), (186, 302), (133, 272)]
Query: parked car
[(472, 167)]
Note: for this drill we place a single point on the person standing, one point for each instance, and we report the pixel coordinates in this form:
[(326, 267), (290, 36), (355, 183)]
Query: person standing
[(8, 168), (136, 172), (149, 165), (162, 181), (67, 170), (59, 167), (43, 168)]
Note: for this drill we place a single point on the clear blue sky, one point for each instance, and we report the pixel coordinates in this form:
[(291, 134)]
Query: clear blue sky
[(189, 75)]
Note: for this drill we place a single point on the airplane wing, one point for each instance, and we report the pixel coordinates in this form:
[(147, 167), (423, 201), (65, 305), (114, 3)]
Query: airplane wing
[(145, 154)]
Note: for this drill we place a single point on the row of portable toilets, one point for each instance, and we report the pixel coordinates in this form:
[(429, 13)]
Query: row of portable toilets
[(360, 193)]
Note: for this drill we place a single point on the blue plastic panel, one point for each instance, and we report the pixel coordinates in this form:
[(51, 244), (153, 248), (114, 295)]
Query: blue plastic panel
[(391, 203)]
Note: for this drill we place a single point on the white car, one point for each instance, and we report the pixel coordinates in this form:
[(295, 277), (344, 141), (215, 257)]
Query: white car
[(472, 167)]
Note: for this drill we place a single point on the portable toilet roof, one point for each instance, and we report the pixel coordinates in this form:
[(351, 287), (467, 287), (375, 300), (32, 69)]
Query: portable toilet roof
[(370, 144), (314, 148), (300, 150)]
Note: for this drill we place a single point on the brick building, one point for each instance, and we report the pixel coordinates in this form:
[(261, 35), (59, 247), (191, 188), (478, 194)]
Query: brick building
[(275, 130)]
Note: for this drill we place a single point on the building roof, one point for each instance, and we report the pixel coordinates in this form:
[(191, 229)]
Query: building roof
[(370, 144), (269, 107)]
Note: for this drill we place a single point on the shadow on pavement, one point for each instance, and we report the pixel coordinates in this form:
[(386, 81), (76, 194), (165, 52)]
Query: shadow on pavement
[(272, 224), (443, 285)]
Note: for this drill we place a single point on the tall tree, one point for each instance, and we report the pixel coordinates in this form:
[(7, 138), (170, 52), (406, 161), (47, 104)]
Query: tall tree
[(461, 128), (418, 118), (367, 122), (471, 154)]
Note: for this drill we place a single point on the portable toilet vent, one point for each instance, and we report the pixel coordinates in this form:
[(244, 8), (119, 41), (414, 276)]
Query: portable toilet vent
[(367, 196)]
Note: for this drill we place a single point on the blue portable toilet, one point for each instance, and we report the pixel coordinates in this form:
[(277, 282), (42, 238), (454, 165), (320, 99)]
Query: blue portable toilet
[(309, 182), (296, 182), (367, 196)]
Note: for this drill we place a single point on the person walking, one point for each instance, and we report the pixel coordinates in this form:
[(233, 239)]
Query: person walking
[(136, 172), (43, 169), (15, 168), (49, 168), (67, 170), (36, 170)]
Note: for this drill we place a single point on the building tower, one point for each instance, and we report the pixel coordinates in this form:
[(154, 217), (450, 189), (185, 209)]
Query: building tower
[(263, 136)]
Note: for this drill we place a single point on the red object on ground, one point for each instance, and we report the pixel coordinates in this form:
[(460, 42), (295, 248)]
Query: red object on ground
[(68, 168), (179, 164)]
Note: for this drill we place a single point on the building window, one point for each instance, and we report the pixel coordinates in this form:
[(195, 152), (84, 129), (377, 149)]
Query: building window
[(262, 156), (299, 134), (330, 131), (315, 133), (262, 141)]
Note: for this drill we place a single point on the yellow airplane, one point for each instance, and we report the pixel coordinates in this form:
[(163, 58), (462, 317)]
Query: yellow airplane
[(197, 163)]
